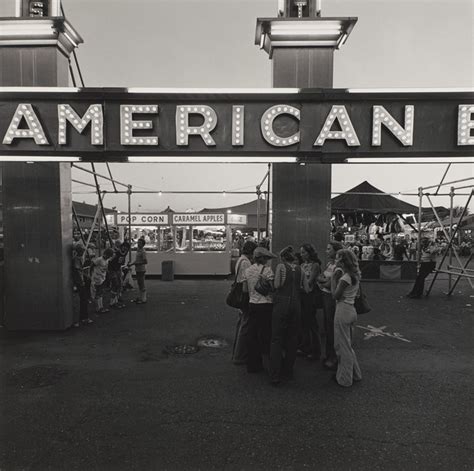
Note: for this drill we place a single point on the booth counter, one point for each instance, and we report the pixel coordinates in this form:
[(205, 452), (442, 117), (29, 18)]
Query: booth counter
[(195, 243), (388, 270)]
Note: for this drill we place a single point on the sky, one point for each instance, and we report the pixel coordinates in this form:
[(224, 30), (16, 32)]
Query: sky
[(210, 44)]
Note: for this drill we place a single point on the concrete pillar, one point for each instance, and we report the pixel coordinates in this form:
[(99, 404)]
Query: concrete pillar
[(302, 51), (37, 206)]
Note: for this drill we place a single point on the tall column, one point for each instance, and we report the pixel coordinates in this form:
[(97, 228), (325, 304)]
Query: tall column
[(301, 45), (37, 207)]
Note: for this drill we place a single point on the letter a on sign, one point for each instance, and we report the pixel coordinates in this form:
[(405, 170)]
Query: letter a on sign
[(34, 131), (338, 113)]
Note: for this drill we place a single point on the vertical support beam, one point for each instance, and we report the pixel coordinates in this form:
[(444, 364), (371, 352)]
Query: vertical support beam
[(129, 197), (301, 45), (420, 204), (451, 214), (301, 194), (37, 204)]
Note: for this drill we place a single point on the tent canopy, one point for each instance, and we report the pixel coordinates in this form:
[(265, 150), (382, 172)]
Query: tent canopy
[(371, 201)]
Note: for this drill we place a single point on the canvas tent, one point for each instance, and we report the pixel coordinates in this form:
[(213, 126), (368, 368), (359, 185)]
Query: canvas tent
[(368, 198)]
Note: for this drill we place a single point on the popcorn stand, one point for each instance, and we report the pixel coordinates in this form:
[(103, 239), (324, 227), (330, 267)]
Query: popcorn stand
[(197, 243)]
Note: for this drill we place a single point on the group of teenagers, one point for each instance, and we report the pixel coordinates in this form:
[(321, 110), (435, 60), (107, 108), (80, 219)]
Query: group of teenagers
[(93, 276), (274, 327)]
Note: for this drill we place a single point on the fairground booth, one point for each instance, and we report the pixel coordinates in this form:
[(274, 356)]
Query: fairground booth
[(368, 216), (182, 243)]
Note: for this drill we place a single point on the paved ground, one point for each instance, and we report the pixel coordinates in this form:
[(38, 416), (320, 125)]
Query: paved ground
[(106, 397)]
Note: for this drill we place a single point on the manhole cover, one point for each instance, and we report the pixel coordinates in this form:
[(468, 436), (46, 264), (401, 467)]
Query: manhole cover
[(211, 342), (182, 349), (36, 376)]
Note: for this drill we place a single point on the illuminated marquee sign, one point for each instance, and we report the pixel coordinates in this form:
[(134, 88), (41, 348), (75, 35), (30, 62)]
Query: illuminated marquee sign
[(141, 219), (315, 126)]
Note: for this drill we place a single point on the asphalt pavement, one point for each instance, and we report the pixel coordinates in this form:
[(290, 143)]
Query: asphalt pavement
[(115, 396)]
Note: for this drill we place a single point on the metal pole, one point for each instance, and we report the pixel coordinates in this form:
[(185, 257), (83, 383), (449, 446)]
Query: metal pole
[(461, 274), (451, 198), (442, 179), (420, 202), (102, 207), (258, 213), (112, 178), (450, 240), (129, 192), (99, 206), (78, 225), (448, 183), (267, 226), (99, 175)]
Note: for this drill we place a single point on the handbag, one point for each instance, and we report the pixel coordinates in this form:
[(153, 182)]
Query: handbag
[(236, 297), (263, 286), (361, 303)]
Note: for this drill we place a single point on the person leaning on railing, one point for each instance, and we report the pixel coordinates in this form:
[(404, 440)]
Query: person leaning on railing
[(427, 265)]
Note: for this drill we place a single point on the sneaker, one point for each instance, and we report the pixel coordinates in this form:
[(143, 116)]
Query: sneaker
[(120, 305), (87, 321), (140, 302), (76, 324), (102, 310)]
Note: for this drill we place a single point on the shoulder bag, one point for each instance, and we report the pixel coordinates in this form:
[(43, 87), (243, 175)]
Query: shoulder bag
[(361, 303), (236, 297)]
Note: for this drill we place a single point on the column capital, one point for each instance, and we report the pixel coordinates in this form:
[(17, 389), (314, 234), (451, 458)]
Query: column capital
[(302, 32), (47, 31)]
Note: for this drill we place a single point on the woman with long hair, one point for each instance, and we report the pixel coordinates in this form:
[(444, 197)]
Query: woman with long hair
[(286, 312), (344, 287), (311, 296), (329, 305)]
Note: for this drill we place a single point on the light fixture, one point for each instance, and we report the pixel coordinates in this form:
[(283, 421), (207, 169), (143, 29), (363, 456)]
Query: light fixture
[(410, 90), (184, 91), (38, 89), (211, 160), (46, 158), (410, 160)]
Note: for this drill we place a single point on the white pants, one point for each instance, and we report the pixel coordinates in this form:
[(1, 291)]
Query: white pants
[(348, 369)]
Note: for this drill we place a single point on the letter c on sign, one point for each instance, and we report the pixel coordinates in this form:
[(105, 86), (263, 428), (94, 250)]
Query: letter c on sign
[(266, 125)]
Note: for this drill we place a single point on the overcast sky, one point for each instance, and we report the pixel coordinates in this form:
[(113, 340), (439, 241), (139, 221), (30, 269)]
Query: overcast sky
[(210, 44)]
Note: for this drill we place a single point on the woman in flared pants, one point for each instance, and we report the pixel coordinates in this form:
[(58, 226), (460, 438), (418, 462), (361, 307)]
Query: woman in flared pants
[(348, 367)]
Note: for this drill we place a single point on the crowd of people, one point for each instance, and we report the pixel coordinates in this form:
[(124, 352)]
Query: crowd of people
[(396, 247), (93, 276), (278, 321)]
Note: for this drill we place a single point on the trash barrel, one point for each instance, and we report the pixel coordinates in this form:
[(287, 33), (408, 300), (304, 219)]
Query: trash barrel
[(167, 270)]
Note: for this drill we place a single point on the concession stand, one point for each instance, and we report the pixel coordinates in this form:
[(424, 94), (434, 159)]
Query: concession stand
[(367, 210), (196, 243)]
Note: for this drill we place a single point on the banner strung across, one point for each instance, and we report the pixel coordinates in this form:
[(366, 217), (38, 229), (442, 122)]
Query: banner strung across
[(313, 125)]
